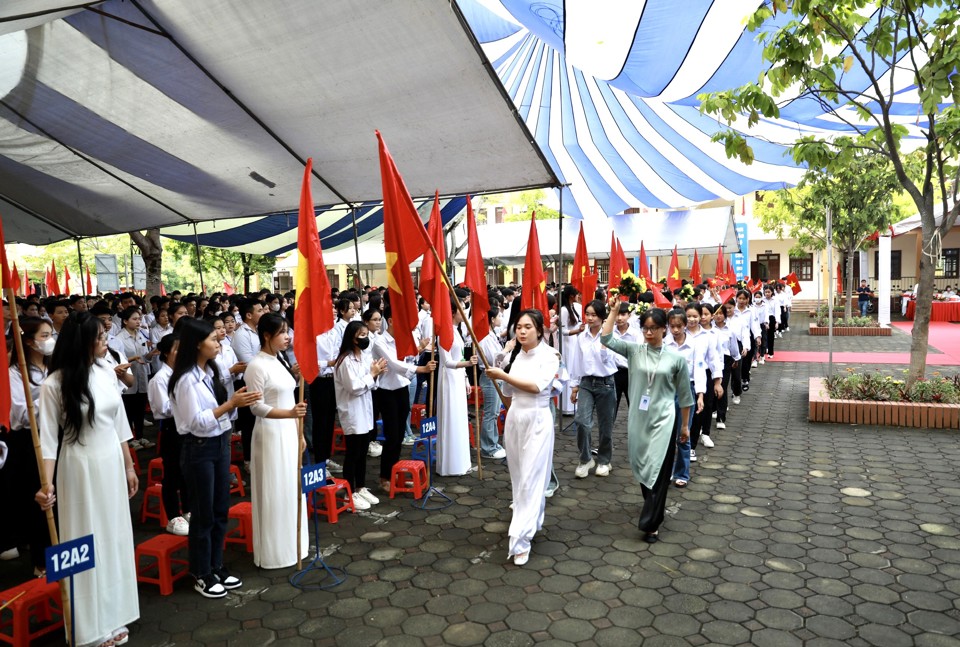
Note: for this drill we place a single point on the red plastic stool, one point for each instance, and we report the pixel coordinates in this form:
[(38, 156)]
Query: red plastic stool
[(475, 397), (242, 533), (37, 600), (329, 496), (413, 471), (155, 471), (417, 413), (161, 548), (134, 459), (237, 488), (339, 444), (153, 493), (236, 448)]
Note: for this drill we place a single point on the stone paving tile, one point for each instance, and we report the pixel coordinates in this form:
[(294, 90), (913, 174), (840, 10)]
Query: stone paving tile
[(788, 534)]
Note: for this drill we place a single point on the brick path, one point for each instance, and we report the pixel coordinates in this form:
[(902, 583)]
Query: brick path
[(789, 533)]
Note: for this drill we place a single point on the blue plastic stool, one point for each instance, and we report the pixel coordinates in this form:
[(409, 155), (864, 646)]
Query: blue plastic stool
[(420, 450)]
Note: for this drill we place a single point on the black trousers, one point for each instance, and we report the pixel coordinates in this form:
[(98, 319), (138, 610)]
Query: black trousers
[(394, 407), (323, 406), (176, 503), (725, 383), (25, 523), (655, 498), (747, 359), (736, 374), (135, 406), (784, 318), (703, 420), (621, 381), (355, 462), (244, 424), (771, 334)]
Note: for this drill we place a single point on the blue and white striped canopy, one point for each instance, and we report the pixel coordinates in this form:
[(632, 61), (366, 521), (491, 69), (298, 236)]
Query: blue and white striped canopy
[(609, 91)]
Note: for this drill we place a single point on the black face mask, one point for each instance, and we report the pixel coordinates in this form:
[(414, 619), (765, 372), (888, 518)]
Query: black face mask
[(363, 343)]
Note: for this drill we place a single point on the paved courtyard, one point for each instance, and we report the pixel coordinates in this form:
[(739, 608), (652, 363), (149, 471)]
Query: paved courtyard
[(790, 533)]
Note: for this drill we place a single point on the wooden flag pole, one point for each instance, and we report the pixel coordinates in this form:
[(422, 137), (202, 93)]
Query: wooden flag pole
[(35, 435), (300, 442), (433, 358), (476, 428)]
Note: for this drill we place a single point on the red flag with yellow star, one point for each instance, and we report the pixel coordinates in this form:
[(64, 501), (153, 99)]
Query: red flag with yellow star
[(644, 265), (476, 278), (433, 280), (793, 283), (534, 294), (404, 240), (695, 275), (673, 274)]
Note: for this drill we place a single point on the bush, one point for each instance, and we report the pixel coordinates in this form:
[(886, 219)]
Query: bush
[(877, 387), (852, 322)]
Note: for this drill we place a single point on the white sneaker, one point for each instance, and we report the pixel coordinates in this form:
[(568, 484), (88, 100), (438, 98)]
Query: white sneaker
[(753, 364), (693, 456), (408, 440), (714, 415), (720, 425), (788, 328), (551, 490), (146, 444), (584, 469), (368, 496), (707, 440), (603, 469), (7, 555), (736, 399), (375, 449), (178, 526), (762, 360), (334, 466), (359, 502), (134, 444), (499, 453)]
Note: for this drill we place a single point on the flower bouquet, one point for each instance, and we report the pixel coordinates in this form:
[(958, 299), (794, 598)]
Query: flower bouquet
[(639, 308), (685, 293), (630, 285)]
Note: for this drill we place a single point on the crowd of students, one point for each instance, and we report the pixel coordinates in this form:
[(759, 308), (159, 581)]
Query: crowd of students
[(220, 369)]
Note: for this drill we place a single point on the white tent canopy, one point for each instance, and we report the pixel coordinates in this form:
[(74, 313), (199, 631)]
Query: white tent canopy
[(142, 113)]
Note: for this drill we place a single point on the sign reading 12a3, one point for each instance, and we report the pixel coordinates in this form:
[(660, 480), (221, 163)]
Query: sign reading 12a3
[(69, 558)]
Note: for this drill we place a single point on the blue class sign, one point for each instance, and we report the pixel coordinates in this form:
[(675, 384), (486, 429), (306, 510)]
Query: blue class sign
[(428, 427), (313, 476), (69, 558)]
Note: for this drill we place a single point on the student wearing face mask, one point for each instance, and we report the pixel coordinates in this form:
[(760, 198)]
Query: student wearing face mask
[(19, 479)]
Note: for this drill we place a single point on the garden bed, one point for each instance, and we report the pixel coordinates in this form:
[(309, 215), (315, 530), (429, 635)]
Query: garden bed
[(850, 331), (893, 414)]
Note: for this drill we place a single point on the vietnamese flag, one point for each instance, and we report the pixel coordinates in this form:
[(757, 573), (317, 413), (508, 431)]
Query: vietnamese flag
[(644, 265), (622, 260), (476, 278), (839, 280), (228, 289), (793, 283), (615, 270), (404, 240), (66, 280), (433, 280), (90, 283), (53, 287), (673, 274), (163, 293), (28, 286), (659, 300), (756, 286), (731, 276), (534, 294), (727, 294), (313, 309), (15, 279), (5, 284), (721, 267), (695, 275), (581, 265)]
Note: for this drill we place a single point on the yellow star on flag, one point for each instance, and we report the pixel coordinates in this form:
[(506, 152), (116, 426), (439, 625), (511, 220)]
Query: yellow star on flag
[(391, 279)]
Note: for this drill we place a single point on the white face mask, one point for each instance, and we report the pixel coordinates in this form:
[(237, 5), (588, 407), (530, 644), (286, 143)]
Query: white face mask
[(46, 346), (275, 307)]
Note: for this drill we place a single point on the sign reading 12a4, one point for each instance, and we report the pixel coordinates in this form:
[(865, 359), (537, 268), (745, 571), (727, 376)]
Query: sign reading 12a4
[(428, 427), (69, 558)]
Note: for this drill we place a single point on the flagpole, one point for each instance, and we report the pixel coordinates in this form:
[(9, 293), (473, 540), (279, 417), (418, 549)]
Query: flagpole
[(196, 239), (300, 442), (35, 436), (559, 327), (356, 246), (476, 428), (433, 373), (80, 266)]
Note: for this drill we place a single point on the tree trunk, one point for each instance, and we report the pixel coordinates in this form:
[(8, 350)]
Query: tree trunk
[(151, 249), (245, 264), (848, 309), (921, 319)]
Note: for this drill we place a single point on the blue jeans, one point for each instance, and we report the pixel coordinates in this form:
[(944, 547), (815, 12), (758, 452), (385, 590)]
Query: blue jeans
[(206, 468), (681, 465), (599, 393), (864, 306), (489, 433)]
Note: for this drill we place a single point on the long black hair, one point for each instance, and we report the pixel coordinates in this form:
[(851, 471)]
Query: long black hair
[(271, 323), (537, 318), (194, 332), (73, 357), (569, 293), (347, 345), (29, 327)]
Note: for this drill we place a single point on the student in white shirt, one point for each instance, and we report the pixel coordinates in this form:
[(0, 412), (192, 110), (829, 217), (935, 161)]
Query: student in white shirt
[(704, 342), (246, 344), (592, 367), (201, 412), (744, 317), (680, 341), (730, 347), (372, 318), (323, 399), (626, 331), (714, 370), (489, 432), (772, 312), (176, 501), (354, 381)]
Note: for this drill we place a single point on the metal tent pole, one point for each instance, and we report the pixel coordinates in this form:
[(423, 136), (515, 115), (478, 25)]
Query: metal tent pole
[(196, 241), (356, 245), (80, 267), (830, 292)]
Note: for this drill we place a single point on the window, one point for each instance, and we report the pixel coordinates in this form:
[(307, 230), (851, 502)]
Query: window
[(895, 271), (802, 267), (949, 265)]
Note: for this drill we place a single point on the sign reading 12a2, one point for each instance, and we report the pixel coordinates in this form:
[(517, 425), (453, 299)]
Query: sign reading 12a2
[(69, 558)]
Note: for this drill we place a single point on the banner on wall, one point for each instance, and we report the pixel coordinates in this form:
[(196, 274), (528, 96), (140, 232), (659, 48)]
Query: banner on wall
[(108, 279), (741, 260)]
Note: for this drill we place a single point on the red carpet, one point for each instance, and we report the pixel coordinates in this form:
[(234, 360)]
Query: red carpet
[(944, 337)]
